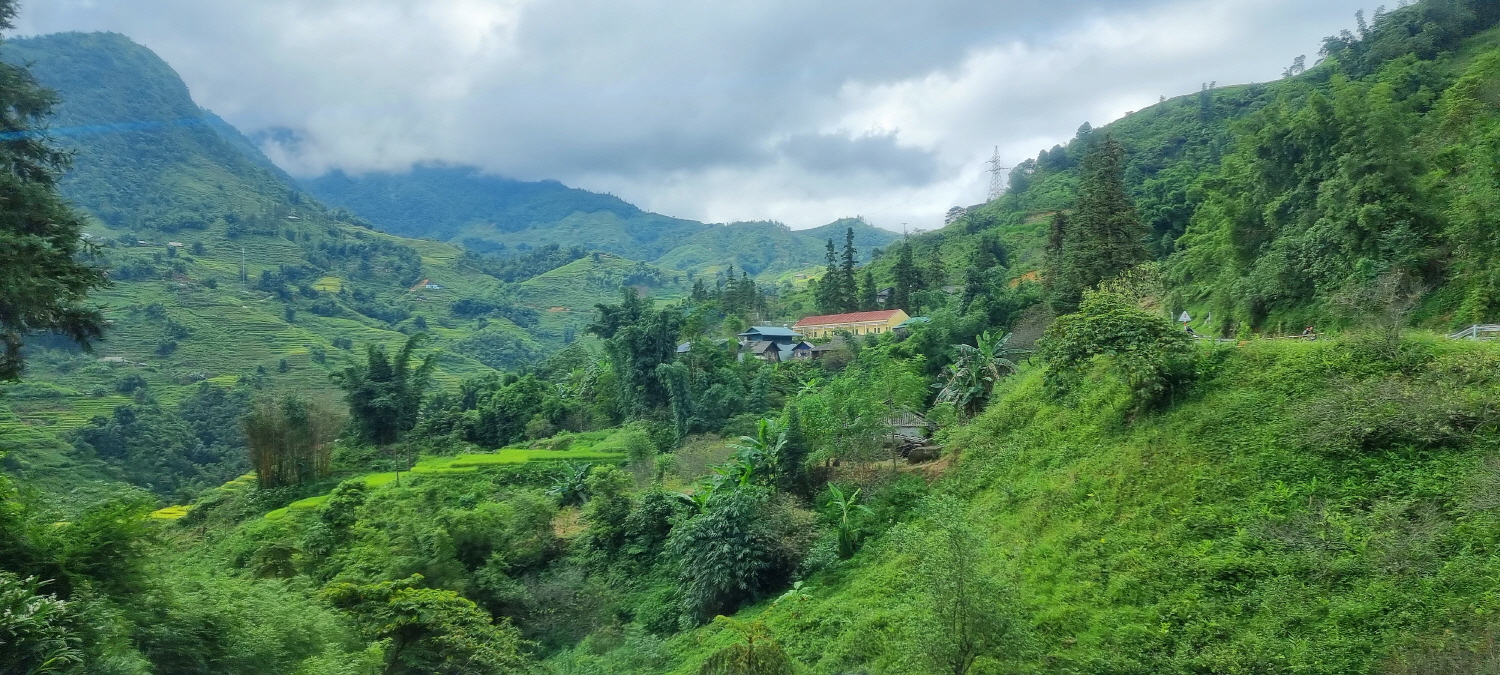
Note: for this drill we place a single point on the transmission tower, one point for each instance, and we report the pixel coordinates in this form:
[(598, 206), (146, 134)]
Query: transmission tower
[(997, 175)]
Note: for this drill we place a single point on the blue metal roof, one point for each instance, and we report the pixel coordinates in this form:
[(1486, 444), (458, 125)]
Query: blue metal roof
[(770, 331)]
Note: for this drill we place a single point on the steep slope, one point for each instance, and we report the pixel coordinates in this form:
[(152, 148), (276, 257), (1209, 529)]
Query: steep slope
[(1296, 513), (1281, 204), (181, 207), (491, 214), (146, 156)]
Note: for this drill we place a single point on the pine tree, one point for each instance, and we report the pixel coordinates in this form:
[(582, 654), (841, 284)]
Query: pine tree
[(935, 275), (794, 453), (847, 281), (868, 295), (829, 293), (1054, 269), (908, 280), (1105, 235), (45, 280)]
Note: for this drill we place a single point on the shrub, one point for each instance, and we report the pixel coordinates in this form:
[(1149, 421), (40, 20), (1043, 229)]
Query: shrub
[(1393, 412), (743, 545), (34, 629), (1146, 350)]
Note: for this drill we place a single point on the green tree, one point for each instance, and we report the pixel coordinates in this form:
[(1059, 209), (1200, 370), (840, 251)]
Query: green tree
[(969, 380), (848, 284), (794, 453), (385, 393), (289, 440), (968, 613), (45, 278), (908, 280), (429, 631), (759, 654), (828, 295), (723, 557), (1055, 270), (1104, 236), (609, 505), (1151, 354), (639, 339), (868, 294)]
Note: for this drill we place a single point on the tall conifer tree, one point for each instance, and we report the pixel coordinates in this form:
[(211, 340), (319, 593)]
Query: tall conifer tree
[(44, 278), (850, 286), (1105, 235), (908, 280), (829, 294), (868, 295)]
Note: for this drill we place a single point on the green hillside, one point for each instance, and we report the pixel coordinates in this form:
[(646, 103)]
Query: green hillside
[(498, 216), (769, 250), (490, 214), (153, 169), (1048, 475), (1280, 205), (1295, 513)]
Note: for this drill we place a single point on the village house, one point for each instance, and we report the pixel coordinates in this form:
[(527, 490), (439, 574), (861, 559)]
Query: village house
[(776, 352), (774, 344), (856, 323), (775, 334)]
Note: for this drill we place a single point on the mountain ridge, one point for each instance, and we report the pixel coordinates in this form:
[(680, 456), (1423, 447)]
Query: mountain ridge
[(492, 214)]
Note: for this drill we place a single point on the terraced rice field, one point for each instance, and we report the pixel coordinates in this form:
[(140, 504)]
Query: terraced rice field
[(460, 464)]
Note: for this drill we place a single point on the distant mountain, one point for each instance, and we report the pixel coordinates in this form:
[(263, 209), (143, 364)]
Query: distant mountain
[(491, 214), (766, 249), (145, 155), (179, 201)]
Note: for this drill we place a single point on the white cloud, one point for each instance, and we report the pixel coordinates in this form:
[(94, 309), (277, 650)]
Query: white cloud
[(793, 110)]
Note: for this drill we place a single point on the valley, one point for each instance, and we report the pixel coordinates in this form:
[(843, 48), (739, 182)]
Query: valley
[(1189, 397)]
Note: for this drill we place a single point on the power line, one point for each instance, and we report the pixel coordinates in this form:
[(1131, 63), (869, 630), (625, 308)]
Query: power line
[(997, 175)]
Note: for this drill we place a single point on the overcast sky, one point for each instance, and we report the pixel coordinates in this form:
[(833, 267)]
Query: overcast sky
[(801, 111)]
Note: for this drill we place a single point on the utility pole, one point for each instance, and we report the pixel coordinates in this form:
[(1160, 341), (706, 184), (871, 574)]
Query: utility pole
[(997, 176), (242, 269)]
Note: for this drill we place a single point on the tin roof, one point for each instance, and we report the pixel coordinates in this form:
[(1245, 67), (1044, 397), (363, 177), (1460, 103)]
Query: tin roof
[(853, 317)]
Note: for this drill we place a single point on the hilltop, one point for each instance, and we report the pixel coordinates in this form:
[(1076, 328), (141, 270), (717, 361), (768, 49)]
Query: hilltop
[(491, 214), (499, 216)]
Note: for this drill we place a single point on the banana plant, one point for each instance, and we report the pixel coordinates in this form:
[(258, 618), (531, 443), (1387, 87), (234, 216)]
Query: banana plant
[(761, 455), (848, 531), (572, 487), (970, 379)]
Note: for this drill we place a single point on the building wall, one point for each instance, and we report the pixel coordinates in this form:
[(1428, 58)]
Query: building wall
[(858, 328)]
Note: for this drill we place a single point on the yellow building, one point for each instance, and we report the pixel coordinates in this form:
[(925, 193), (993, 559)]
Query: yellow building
[(857, 323)]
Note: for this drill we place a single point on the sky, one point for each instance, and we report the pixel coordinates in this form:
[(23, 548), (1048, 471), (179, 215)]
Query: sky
[(801, 111)]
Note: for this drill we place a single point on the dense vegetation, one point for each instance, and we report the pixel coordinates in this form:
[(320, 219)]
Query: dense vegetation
[(1096, 490)]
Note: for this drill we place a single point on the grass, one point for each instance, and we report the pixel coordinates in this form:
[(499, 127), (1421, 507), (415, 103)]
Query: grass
[(1233, 532), (460, 464)]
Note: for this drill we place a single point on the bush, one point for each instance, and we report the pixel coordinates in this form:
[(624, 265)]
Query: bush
[(744, 544), (1395, 412), (1146, 350)]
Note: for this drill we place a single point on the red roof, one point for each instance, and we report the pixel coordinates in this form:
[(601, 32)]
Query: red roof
[(855, 317)]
